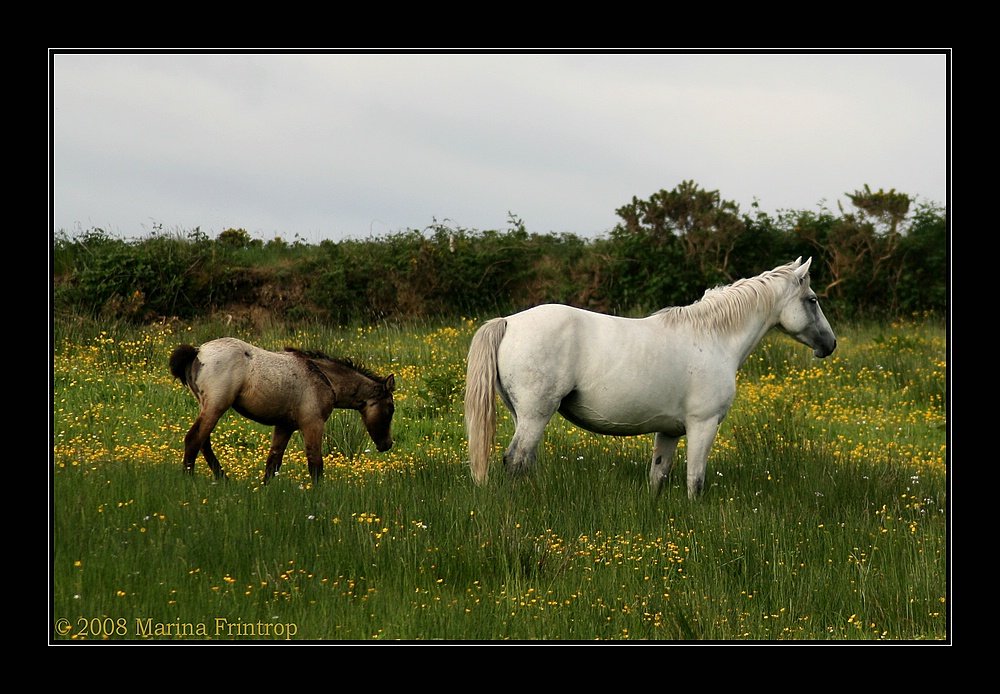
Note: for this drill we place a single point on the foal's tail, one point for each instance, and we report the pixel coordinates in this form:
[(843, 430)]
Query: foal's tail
[(181, 360), (480, 403)]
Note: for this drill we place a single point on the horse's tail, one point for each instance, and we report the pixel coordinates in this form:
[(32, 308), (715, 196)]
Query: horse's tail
[(181, 360), (480, 403)]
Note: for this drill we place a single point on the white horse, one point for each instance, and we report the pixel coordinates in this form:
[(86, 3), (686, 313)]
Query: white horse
[(670, 374)]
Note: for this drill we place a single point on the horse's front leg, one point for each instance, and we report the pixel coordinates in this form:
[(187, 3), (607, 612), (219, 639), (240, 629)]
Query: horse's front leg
[(313, 436), (664, 447), (700, 436), (279, 442)]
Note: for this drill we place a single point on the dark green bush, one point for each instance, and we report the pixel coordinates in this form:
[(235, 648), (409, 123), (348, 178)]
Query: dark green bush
[(667, 250)]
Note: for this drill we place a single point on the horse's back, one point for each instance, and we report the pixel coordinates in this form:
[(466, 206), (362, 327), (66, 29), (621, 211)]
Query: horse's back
[(562, 348), (231, 367), (221, 369), (607, 374), (544, 340), (268, 387), (226, 355), (577, 341), (226, 347), (233, 353)]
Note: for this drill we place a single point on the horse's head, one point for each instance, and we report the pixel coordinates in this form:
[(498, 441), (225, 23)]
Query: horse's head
[(377, 411), (802, 318)]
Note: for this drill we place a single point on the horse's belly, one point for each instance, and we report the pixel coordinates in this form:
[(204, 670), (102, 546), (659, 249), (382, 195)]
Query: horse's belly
[(619, 421), (263, 414)]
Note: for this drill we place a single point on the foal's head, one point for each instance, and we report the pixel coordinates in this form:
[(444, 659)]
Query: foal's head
[(377, 410), (359, 389)]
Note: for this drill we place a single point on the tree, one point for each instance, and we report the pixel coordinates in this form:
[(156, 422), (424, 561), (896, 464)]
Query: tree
[(922, 261), (670, 247), (889, 209), (706, 225), (859, 246)]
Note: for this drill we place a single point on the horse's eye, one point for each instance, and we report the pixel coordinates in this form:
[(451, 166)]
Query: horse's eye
[(813, 300)]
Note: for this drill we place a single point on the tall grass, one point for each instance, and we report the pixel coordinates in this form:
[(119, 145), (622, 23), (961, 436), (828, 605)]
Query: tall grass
[(824, 517)]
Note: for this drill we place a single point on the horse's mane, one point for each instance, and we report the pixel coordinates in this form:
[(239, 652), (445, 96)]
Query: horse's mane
[(726, 307), (343, 361)]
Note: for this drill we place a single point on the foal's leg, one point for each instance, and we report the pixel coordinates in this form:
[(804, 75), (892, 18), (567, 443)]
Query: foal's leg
[(213, 462), (198, 434), (700, 436), (279, 442), (663, 458), (312, 433)]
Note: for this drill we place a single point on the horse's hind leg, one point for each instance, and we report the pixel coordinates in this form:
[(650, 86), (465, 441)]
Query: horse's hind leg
[(191, 446), (279, 442), (663, 458), (523, 449), (197, 436), (212, 461)]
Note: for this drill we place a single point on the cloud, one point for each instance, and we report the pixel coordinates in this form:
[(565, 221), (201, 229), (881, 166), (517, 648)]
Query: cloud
[(334, 145)]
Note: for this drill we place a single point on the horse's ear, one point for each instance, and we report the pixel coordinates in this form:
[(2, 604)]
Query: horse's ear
[(390, 383), (803, 269)]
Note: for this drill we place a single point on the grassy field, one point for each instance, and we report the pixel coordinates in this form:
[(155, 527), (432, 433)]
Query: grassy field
[(824, 516)]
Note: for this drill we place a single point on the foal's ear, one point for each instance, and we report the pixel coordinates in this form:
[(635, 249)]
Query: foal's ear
[(390, 383)]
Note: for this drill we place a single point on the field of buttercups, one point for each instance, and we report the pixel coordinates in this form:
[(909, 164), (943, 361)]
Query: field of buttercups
[(825, 513)]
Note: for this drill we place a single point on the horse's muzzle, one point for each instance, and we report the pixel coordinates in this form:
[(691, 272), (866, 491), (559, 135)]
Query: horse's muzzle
[(384, 446), (825, 350)]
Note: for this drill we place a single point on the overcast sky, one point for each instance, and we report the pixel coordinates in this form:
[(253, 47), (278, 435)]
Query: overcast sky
[(328, 146)]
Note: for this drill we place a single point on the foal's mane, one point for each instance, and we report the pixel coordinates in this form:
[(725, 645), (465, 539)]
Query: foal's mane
[(726, 307), (343, 361)]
